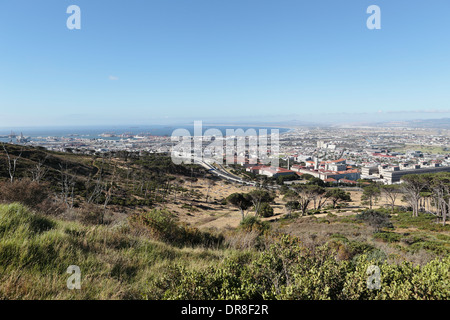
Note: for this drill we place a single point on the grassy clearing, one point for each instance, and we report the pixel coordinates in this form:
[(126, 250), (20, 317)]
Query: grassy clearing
[(424, 221), (424, 149)]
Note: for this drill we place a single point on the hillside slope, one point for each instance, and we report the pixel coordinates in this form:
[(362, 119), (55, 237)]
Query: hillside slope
[(120, 263)]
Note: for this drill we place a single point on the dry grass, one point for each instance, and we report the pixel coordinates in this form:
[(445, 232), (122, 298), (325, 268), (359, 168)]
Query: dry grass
[(116, 263)]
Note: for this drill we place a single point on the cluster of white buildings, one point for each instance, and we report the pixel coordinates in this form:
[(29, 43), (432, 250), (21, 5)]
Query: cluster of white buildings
[(328, 171), (268, 171), (391, 174)]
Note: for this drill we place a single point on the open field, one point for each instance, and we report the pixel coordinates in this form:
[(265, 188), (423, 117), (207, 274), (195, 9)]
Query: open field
[(214, 214), (424, 149)]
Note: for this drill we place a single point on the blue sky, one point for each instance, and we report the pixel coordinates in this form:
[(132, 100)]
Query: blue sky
[(156, 61)]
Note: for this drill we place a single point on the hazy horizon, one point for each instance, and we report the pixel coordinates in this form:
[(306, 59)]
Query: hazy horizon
[(312, 120)]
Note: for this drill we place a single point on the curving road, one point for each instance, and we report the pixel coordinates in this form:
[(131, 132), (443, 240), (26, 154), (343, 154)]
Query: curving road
[(222, 173)]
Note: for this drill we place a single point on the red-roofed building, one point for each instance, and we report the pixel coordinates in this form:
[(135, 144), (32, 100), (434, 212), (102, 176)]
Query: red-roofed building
[(346, 181), (270, 171), (380, 155), (335, 169)]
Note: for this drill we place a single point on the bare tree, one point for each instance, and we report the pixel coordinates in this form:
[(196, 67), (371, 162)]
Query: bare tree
[(440, 186), (413, 186), (391, 192), (12, 163), (180, 185), (96, 187), (108, 188), (67, 186), (39, 171), (175, 187)]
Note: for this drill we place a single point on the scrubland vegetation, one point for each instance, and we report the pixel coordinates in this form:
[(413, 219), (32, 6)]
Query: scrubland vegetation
[(108, 216)]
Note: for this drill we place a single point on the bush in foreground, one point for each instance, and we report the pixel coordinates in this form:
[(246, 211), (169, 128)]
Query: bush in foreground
[(116, 263), (35, 252), (289, 271)]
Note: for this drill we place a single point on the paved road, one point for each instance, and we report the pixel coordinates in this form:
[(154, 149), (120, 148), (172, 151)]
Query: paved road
[(222, 173)]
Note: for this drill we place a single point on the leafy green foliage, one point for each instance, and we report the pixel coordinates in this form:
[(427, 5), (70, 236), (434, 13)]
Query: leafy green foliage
[(120, 265), (423, 221), (375, 219), (253, 223), (388, 236), (240, 201), (337, 195), (265, 210), (316, 182), (287, 270), (370, 195)]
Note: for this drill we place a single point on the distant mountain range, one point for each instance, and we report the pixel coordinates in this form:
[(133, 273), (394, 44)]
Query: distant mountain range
[(443, 123)]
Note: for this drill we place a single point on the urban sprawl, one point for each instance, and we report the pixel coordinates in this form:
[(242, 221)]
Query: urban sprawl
[(334, 155)]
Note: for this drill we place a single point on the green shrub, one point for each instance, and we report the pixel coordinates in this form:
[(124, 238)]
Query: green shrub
[(253, 223), (265, 210), (423, 221), (162, 226), (439, 248), (443, 237), (388, 236), (348, 249), (377, 255), (116, 263), (121, 263), (287, 270), (339, 236), (375, 219), (412, 239)]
